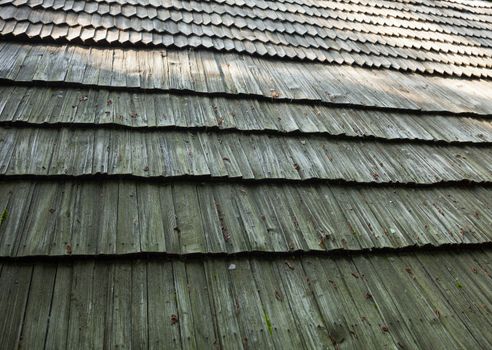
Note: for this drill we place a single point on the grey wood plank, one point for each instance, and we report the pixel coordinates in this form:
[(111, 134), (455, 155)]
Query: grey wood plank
[(198, 159), (13, 301), (74, 217), (14, 218), (77, 65), (39, 306), (9, 104), (287, 222), (29, 64), (255, 324), (121, 312), (431, 293), (118, 77), (210, 220), (61, 236), (189, 338), (216, 157), (250, 215), (342, 319), (229, 222), (169, 218), (307, 314), (40, 223), (10, 69), (275, 306), (206, 332), (107, 243), (128, 228), (164, 319), (153, 231), (225, 305), (310, 302), (316, 86), (139, 306), (91, 74), (7, 143), (358, 298), (189, 227), (83, 325), (407, 305), (451, 286), (393, 320), (303, 221), (56, 336), (132, 67), (44, 64)]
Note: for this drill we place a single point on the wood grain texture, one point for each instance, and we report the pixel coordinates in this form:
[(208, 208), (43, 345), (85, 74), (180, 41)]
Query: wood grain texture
[(242, 174), (56, 218), (407, 300), (428, 38), (233, 74)]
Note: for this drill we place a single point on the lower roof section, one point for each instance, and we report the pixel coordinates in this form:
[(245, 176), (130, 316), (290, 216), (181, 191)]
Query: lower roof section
[(112, 217), (410, 300)]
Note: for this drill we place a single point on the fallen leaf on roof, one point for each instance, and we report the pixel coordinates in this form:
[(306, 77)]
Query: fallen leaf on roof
[(174, 319)]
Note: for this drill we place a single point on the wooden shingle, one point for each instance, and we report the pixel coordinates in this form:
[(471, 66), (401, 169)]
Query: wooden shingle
[(294, 174)]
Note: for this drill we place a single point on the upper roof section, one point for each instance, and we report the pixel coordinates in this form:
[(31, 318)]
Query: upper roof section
[(452, 38), (237, 75), (108, 112)]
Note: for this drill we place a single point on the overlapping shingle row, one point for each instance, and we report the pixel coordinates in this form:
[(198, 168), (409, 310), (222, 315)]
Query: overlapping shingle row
[(234, 74), (49, 217), (64, 151), (434, 11), (334, 37), (159, 197), (410, 301), (93, 107)]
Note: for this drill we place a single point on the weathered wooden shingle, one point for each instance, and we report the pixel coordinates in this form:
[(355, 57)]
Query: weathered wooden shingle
[(101, 107), (165, 154), (321, 31), (413, 300), (233, 74), (245, 174), (81, 217)]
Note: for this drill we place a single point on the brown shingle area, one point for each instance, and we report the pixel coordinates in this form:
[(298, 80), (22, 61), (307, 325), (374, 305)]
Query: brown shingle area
[(411, 300), (171, 197), (339, 33)]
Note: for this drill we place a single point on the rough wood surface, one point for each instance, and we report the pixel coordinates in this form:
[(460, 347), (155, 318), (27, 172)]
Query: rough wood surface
[(241, 174), (100, 107), (157, 154), (381, 300), (232, 74), (59, 218), (432, 38)]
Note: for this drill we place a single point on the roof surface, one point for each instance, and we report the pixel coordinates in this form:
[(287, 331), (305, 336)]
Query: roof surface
[(294, 174)]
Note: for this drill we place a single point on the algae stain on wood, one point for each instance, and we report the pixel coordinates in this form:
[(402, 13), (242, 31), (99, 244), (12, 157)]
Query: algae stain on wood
[(268, 323), (4, 216)]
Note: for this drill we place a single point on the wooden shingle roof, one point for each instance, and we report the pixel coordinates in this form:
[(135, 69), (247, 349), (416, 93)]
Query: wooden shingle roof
[(295, 174)]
